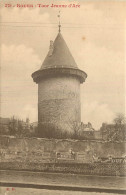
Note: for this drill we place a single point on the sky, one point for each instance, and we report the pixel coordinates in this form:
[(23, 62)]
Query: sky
[(95, 35)]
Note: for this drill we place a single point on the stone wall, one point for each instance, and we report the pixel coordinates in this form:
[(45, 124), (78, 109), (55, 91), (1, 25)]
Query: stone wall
[(59, 102), (43, 150), (53, 155)]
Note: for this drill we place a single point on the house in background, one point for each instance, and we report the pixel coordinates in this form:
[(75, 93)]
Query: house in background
[(4, 125)]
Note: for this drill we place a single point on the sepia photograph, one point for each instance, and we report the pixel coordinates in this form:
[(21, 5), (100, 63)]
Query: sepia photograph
[(62, 97)]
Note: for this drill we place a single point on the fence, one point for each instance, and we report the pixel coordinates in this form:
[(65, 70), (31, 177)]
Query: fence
[(102, 169)]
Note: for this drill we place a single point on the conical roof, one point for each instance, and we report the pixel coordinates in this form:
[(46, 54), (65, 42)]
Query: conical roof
[(59, 55), (59, 61)]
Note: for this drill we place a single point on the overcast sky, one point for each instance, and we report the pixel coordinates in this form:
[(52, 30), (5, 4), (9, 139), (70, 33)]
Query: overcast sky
[(94, 34)]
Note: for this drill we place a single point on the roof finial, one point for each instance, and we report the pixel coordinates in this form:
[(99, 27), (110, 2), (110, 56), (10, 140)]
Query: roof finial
[(59, 22)]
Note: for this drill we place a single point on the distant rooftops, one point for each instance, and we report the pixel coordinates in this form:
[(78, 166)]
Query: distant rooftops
[(4, 121)]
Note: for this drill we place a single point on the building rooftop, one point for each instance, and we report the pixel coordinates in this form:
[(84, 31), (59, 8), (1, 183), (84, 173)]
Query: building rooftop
[(4, 121)]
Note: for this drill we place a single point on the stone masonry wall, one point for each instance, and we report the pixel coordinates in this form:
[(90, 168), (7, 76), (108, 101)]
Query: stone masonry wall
[(59, 102), (37, 154), (44, 150)]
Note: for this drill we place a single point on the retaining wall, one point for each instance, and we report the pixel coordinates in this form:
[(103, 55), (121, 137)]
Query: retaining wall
[(40, 154)]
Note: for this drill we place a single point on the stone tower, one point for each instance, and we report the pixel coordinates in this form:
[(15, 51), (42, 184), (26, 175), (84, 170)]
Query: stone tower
[(59, 82)]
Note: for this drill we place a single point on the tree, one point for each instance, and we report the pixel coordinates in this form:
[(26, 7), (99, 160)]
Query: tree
[(115, 131), (13, 126), (76, 130), (120, 119)]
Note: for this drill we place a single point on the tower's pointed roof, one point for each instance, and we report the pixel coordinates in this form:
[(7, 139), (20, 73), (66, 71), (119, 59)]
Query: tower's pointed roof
[(59, 55), (59, 61)]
